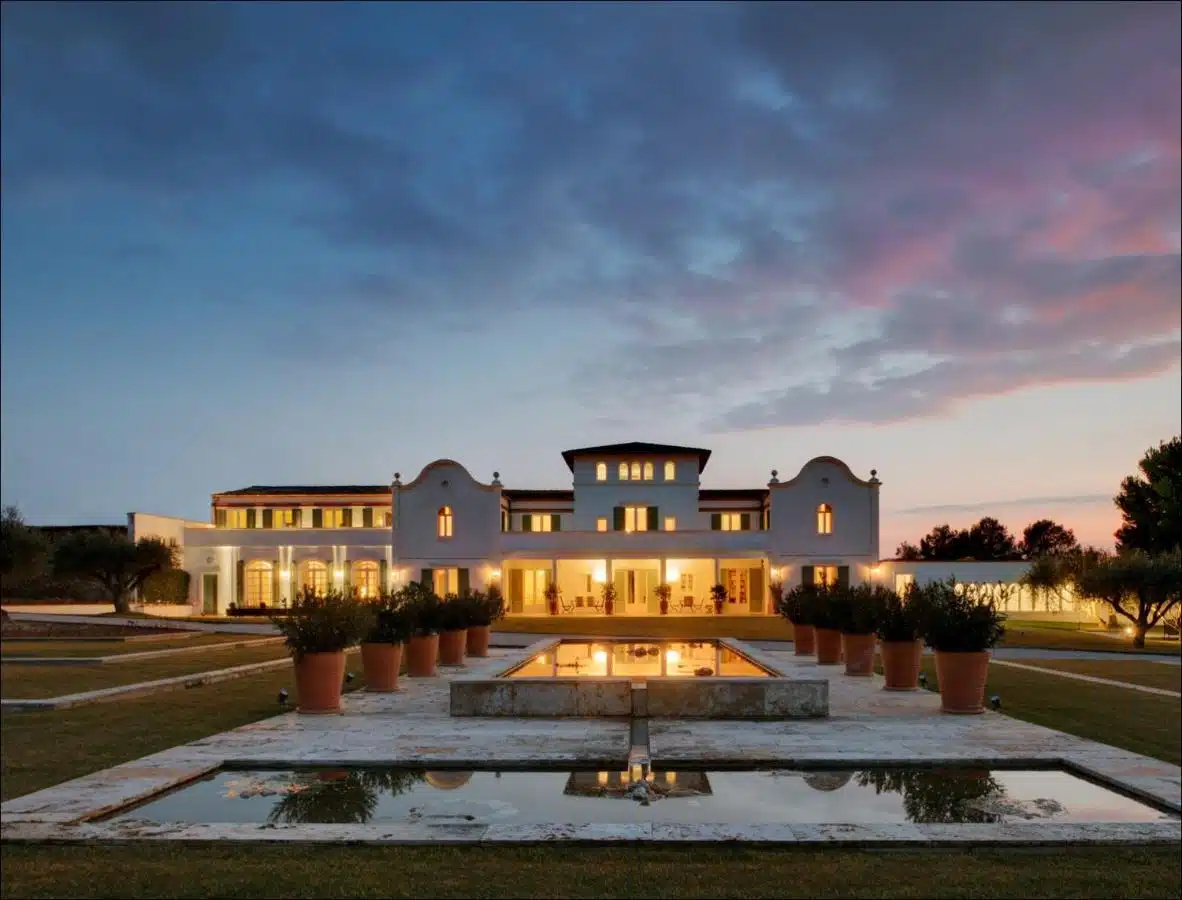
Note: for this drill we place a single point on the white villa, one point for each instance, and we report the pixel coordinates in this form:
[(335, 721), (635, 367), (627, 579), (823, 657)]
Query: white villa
[(635, 515)]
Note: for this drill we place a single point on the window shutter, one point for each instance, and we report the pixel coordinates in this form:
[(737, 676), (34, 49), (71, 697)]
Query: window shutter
[(555, 522), (268, 518), (462, 582), (317, 517), (807, 575), (383, 576), (745, 522), (275, 582), (240, 593), (716, 521), (347, 517), (843, 576), (367, 517), (250, 518), (653, 518), (618, 518), (219, 518), (527, 522), (427, 579)]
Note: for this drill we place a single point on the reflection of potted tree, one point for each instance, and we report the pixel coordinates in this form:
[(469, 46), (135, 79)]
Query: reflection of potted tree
[(935, 796), (552, 593), (718, 595), (351, 799), (608, 591), (664, 592)]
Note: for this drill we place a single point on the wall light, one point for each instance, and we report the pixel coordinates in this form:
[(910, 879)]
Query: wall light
[(340, 573), (494, 573), (600, 656), (672, 574), (285, 574), (599, 574), (672, 657)]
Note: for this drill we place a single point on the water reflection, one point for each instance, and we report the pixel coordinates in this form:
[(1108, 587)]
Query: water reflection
[(343, 796), (639, 660), (941, 795)]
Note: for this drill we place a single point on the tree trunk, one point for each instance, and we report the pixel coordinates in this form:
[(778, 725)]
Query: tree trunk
[(1142, 627), (122, 602)]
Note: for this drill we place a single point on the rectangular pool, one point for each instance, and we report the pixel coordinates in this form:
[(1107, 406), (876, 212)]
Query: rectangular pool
[(441, 797), (639, 660)]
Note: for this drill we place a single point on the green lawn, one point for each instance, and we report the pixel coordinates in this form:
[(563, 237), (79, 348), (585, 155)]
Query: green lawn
[(1133, 671), (89, 738), (35, 682), (206, 870), (1039, 635), (117, 648)]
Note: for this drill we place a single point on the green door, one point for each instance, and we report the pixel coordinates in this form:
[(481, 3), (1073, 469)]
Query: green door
[(209, 594)]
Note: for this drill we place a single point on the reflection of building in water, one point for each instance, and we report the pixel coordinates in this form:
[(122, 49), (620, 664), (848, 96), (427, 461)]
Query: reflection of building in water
[(613, 784), (828, 781), (638, 660), (447, 781)]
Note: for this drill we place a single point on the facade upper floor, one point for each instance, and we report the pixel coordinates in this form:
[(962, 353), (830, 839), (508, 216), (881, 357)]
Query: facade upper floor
[(631, 495)]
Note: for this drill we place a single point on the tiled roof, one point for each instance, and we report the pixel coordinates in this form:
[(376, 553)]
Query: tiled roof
[(310, 489), (531, 494), (639, 447), (732, 494)]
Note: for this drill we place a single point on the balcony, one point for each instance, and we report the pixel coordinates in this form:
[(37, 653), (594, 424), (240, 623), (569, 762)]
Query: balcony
[(595, 544), (286, 537)]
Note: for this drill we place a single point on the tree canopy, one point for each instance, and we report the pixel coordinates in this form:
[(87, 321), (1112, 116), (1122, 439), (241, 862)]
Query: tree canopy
[(23, 549), (1143, 589), (1047, 538), (113, 561), (986, 540), (1150, 503)]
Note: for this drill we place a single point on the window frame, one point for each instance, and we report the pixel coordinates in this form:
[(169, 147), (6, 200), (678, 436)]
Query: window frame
[(639, 515), (600, 524), (670, 470), (824, 516), (601, 471), (445, 523)]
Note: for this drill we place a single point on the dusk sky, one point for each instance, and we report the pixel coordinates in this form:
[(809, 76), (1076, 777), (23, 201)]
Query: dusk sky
[(321, 243)]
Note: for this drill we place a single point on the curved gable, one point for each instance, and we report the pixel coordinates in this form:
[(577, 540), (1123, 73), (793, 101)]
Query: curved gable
[(444, 464), (828, 461)]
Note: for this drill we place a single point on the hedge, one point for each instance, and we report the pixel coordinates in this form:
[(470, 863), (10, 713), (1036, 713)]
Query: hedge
[(166, 586)]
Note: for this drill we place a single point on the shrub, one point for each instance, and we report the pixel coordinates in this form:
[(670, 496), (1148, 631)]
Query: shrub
[(166, 586), (900, 618), (826, 612), (423, 608), (856, 608), (392, 620), (324, 623), (799, 605), (453, 613), (485, 607), (953, 622)]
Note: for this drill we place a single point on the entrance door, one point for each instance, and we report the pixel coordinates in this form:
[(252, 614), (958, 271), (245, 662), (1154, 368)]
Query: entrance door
[(209, 594), (635, 595)]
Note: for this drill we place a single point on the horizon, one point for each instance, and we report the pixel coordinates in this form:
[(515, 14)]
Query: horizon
[(308, 243)]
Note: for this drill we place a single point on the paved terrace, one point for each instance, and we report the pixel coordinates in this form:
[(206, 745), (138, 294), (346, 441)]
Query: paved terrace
[(867, 726)]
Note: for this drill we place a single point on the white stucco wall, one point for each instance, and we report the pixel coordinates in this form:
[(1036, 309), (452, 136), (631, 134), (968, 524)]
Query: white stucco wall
[(597, 499), (793, 503)]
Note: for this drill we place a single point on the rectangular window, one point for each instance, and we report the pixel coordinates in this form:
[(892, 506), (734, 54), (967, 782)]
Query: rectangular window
[(636, 518), (537, 522), (332, 518), (445, 581), (903, 582), (824, 575), (236, 518), (601, 524), (670, 471), (381, 517), (284, 518), (670, 523), (732, 522), (687, 582)]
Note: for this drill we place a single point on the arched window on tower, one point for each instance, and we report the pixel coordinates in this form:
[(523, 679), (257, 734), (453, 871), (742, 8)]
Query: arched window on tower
[(824, 519), (445, 522)]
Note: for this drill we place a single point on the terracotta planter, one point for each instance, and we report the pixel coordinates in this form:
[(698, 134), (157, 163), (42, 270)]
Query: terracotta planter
[(478, 640), (828, 646), (608, 606), (421, 652), (900, 664), (451, 647), (718, 607), (804, 640), (318, 682), (664, 607), (380, 663), (858, 650), (962, 681)]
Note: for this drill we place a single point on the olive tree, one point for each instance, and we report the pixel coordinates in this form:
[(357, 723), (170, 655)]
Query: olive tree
[(1139, 587), (113, 561)]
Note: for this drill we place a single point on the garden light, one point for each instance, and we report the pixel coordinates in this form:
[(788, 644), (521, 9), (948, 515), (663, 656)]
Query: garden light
[(995, 701), (349, 678), (283, 696)]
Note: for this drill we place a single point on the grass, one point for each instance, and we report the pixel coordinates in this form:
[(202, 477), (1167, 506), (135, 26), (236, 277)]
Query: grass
[(1132, 671), (116, 648), (89, 738), (1143, 723), (35, 682), (207, 870), (1056, 637)]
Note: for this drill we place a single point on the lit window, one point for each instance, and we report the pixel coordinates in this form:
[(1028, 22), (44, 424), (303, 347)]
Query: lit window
[(687, 582), (536, 522), (445, 581), (314, 575), (636, 471), (670, 523), (670, 470), (365, 578), (381, 517), (636, 518), (732, 521), (823, 575), (257, 586), (445, 522), (236, 518), (824, 519), (601, 524), (283, 518), (601, 471), (648, 471), (332, 518), (623, 471)]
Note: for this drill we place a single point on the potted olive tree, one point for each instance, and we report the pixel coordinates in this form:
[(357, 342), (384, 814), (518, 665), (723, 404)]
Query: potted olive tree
[(552, 593), (664, 592), (381, 650), (827, 625), (484, 608), (453, 630), (900, 645), (856, 611), (317, 632), (422, 648), (718, 595), (961, 630), (608, 592), (798, 606)]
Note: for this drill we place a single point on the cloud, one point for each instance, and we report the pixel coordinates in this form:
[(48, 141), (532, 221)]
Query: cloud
[(790, 213), (985, 506)]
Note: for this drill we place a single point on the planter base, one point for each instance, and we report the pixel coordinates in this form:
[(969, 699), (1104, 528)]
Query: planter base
[(339, 711)]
